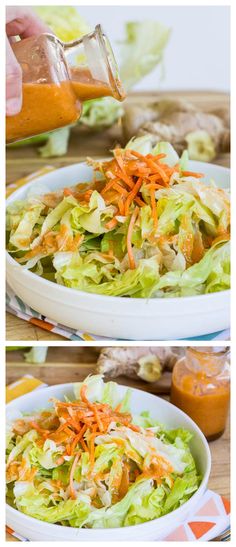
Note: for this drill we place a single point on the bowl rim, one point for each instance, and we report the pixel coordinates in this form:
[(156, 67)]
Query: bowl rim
[(122, 300), (57, 527)]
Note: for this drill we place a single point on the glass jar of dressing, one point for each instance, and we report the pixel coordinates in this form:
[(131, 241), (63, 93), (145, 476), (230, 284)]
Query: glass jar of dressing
[(201, 388), (58, 77)]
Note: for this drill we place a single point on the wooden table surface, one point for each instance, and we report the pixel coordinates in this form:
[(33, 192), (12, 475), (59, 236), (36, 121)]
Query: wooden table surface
[(74, 364), (25, 160)]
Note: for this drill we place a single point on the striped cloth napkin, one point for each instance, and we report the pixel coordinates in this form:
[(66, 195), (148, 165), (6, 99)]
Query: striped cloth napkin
[(210, 519), (17, 307)]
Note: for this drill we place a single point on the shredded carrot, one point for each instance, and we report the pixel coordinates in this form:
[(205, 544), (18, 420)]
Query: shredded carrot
[(111, 224), (139, 201), (78, 438), (129, 238), (120, 189), (34, 425), (132, 195), (68, 192), (157, 157), (107, 187), (83, 392), (153, 186), (192, 174), (99, 422), (132, 169), (84, 445), (121, 207), (119, 159), (158, 169)]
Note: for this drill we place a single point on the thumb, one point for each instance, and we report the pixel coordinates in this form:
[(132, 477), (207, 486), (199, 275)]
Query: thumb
[(13, 82)]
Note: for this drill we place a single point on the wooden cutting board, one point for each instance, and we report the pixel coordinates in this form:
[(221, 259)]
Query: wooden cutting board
[(73, 365), (25, 160)]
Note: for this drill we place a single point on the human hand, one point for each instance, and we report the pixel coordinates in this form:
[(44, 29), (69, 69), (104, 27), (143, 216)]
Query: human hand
[(21, 22)]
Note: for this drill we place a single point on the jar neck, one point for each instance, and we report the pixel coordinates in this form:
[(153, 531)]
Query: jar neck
[(93, 53), (208, 361)]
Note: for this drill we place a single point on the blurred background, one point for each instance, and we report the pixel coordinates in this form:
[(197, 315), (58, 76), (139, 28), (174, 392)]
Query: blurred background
[(197, 55)]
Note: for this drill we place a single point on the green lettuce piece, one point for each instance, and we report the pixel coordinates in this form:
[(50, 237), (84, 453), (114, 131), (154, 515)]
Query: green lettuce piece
[(146, 220), (148, 508), (94, 388), (114, 517), (207, 203), (163, 147), (35, 504), (182, 490), (145, 420), (56, 215), (210, 274), (142, 50), (183, 163), (37, 139), (80, 275), (66, 22), (62, 472), (21, 236), (57, 143), (15, 348), (26, 441), (93, 217), (36, 354), (46, 457), (101, 113), (140, 144), (105, 455), (103, 392)]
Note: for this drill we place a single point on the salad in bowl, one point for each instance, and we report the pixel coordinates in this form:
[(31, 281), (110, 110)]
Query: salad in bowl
[(87, 461), (145, 227)]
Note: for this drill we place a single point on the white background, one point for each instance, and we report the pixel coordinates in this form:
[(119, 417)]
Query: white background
[(197, 55)]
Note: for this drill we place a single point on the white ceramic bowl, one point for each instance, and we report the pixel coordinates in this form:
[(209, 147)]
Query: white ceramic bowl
[(168, 415), (116, 317)]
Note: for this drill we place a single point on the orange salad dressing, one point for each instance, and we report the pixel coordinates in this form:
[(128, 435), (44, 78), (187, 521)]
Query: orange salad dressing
[(48, 106), (205, 398)]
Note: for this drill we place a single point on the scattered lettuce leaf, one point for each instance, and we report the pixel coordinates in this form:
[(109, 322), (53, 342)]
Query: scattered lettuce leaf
[(66, 22), (36, 355), (142, 50)]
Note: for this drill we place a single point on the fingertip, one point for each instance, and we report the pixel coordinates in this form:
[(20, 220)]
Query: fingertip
[(13, 106)]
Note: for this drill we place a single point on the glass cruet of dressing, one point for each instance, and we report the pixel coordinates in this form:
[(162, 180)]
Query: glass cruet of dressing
[(58, 77), (201, 388)]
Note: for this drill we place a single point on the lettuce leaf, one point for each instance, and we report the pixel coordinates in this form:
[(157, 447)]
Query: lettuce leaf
[(35, 504), (114, 517), (211, 274), (104, 392), (166, 148), (142, 50), (88, 276), (65, 22), (57, 143)]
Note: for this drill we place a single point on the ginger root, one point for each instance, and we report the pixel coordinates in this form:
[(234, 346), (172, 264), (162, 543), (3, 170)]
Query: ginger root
[(146, 363), (173, 120)]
